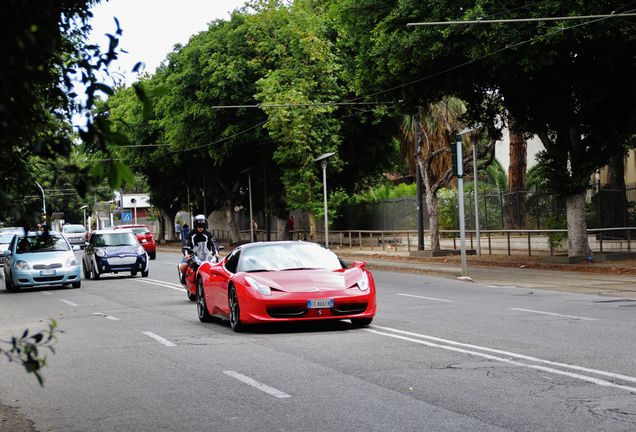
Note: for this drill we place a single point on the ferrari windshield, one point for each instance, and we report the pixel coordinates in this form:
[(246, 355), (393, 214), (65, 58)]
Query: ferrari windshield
[(287, 256)]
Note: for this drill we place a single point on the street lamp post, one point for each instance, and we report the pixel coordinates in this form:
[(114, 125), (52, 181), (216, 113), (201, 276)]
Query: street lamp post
[(43, 202), (84, 207), (249, 192), (323, 159), (134, 202)]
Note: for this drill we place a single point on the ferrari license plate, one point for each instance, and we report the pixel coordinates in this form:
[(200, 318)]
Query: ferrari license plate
[(47, 272), (319, 304)]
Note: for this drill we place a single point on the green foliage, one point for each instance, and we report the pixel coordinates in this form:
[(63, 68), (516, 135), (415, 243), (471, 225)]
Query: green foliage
[(384, 192), (27, 349)]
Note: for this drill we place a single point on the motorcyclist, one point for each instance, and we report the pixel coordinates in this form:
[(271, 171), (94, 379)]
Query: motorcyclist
[(199, 242)]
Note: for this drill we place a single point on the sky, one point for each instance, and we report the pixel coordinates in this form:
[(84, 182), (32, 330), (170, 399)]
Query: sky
[(151, 28)]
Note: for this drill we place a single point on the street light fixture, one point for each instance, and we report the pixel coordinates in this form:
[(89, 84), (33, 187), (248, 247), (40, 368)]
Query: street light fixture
[(323, 158), (43, 202)]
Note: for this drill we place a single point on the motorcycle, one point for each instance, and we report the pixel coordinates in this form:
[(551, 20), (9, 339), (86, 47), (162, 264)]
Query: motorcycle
[(193, 262)]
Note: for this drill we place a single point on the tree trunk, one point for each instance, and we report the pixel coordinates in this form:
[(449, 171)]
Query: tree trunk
[(312, 226), (433, 220), (516, 202), (231, 222), (577, 227)]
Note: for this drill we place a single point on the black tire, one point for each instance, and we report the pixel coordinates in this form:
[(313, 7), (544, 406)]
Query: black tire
[(94, 273), (144, 273), (361, 322), (133, 273), (202, 308), (77, 284), (235, 310), (8, 283), (152, 255), (87, 272), (191, 297)]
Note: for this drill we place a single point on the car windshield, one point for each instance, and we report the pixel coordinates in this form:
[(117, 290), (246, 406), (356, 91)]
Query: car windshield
[(115, 239), (140, 230), (287, 256), (36, 244), (73, 229)]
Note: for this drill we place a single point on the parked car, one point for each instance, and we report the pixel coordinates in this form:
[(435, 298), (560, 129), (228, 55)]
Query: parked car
[(114, 251), (75, 233), (5, 239), (144, 236), (284, 281), (37, 259)]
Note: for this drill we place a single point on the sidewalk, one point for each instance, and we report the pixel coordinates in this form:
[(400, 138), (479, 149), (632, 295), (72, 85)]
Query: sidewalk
[(611, 278)]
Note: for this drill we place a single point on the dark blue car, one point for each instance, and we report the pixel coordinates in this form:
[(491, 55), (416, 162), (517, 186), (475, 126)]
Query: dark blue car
[(114, 251)]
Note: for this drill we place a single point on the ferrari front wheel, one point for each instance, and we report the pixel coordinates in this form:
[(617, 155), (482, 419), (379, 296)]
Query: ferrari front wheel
[(235, 311), (202, 309)]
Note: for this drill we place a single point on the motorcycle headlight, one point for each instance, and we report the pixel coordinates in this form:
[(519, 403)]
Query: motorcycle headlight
[(70, 262), (261, 288), (363, 283), (100, 252), (21, 265)]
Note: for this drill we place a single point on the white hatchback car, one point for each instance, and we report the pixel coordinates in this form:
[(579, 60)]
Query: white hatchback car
[(76, 234)]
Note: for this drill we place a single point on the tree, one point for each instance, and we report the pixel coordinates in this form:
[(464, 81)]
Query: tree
[(570, 83), (516, 202)]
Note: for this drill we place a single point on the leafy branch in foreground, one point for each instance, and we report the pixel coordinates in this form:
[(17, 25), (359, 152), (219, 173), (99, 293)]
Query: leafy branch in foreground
[(27, 349)]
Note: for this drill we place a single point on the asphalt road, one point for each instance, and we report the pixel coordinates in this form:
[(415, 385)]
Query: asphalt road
[(441, 355)]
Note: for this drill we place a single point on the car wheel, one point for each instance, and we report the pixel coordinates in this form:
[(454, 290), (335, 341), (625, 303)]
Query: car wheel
[(94, 273), (87, 272), (202, 308), (76, 284), (152, 255), (8, 283), (235, 311), (145, 273), (133, 273), (361, 322)]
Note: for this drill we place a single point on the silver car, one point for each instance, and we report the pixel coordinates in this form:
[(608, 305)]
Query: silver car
[(76, 234)]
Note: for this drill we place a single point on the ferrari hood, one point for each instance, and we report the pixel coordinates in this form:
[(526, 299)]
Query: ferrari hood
[(309, 280)]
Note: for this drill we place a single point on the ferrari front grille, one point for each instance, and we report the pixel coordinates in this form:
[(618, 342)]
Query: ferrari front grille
[(286, 311), (348, 308)]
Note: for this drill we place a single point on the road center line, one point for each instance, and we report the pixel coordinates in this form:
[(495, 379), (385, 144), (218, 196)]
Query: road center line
[(262, 387), (554, 314), (159, 339), (161, 283), (511, 354), (112, 318), (426, 298), (68, 302)]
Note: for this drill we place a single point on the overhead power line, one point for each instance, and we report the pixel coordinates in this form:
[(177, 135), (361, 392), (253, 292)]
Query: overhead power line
[(515, 20)]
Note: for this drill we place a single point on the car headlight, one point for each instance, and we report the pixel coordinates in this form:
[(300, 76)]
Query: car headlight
[(21, 265), (140, 250), (100, 252), (261, 288), (70, 262), (363, 283)]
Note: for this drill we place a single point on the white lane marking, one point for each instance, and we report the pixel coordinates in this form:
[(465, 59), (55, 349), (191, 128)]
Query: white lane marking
[(159, 339), (160, 283), (554, 314), (46, 293), (112, 318), (262, 387), (426, 298), (68, 302), (509, 354), (178, 285)]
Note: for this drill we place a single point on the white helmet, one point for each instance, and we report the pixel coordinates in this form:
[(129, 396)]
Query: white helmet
[(200, 221)]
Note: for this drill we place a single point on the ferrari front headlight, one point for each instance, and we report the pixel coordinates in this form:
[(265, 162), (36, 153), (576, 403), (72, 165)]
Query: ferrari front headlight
[(261, 288), (363, 283)]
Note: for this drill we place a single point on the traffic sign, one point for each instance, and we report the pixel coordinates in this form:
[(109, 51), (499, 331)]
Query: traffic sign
[(126, 216)]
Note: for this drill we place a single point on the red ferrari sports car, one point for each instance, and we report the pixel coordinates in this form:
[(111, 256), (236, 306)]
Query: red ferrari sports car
[(284, 281)]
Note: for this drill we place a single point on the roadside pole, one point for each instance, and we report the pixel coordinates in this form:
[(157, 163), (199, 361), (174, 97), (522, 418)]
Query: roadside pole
[(458, 168)]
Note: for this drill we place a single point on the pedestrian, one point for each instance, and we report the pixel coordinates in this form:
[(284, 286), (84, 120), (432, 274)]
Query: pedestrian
[(177, 230), (291, 225), (185, 230), (254, 228)]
